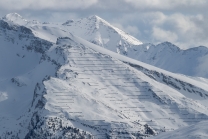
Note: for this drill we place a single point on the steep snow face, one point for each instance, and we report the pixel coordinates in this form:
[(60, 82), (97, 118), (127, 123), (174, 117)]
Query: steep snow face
[(14, 58), (21, 69), (100, 32)]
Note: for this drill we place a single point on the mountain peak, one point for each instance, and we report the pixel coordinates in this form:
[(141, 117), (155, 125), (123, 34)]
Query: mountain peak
[(199, 49), (98, 19), (16, 18), (100, 32), (13, 16), (169, 45), (95, 17)]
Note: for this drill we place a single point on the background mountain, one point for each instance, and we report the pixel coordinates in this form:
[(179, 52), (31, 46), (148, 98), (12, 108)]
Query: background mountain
[(191, 62), (54, 84)]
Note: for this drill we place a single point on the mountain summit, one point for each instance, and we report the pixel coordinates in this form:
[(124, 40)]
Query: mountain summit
[(13, 17), (16, 18), (102, 33)]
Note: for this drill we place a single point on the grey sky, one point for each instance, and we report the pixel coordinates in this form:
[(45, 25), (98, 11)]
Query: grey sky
[(182, 22)]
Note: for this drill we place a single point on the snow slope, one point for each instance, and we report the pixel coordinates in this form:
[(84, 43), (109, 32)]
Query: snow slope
[(72, 88), (20, 71), (196, 131)]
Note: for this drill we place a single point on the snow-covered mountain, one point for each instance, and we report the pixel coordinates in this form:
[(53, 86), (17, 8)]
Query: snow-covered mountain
[(54, 84), (191, 62), (18, 19), (100, 32)]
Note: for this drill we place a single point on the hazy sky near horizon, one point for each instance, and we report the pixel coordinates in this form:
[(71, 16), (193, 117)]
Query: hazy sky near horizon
[(182, 22)]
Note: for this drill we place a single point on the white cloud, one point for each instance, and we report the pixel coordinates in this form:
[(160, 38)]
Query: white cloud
[(181, 29), (184, 30), (113, 5), (46, 4), (165, 4), (163, 35), (132, 30)]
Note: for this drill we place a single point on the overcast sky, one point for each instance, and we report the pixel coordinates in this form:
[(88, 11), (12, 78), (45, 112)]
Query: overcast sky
[(182, 22)]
